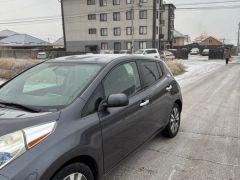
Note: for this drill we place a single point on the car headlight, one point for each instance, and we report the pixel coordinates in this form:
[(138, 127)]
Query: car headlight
[(15, 144)]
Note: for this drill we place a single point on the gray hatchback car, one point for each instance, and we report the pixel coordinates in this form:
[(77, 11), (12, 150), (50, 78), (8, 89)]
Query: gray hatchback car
[(77, 117)]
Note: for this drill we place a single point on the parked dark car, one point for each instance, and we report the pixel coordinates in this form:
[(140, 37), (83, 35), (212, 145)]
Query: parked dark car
[(77, 117)]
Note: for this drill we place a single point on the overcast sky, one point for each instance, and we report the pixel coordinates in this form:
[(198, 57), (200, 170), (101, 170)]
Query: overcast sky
[(219, 23)]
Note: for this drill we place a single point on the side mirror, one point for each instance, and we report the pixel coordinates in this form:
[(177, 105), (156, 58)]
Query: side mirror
[(117, 100)]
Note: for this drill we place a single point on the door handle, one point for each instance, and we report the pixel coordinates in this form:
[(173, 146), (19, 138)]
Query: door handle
[(144, 103), (169, 88)]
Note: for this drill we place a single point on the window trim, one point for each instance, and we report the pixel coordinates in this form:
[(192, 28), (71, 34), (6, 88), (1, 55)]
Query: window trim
[(115, 3), (115, 14), (103, 15), (142, 28), (142, 13)]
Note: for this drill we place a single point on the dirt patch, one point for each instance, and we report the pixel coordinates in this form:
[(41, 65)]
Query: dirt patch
[(11, 67), (176, 68)]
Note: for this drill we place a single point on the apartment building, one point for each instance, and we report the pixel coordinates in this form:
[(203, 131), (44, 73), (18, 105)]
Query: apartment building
[(94, 25)]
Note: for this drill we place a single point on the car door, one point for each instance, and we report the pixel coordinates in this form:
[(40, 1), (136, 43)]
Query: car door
[(156, 86), (124, 128)]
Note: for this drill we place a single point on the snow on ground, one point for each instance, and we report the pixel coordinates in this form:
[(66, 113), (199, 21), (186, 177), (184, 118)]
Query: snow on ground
[(2, 81), (197, 67)]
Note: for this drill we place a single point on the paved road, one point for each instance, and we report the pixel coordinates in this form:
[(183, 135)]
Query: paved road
[(208, 144)]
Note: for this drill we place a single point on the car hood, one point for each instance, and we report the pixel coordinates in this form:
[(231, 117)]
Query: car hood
[(12, 120)]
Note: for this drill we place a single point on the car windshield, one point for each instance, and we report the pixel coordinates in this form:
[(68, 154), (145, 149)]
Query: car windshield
[(139, 52), (49, 86)]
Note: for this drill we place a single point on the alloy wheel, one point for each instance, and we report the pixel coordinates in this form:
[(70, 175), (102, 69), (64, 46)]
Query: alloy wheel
[(75, 176), (174, 120)]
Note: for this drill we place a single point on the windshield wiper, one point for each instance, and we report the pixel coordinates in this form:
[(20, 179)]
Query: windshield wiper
[(24, 107)]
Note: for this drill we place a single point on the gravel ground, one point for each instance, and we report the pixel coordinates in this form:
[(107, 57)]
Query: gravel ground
[(207, 146)]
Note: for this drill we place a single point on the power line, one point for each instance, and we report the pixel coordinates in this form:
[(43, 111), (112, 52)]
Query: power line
[(209, 8), (204, 3), (58, 17)]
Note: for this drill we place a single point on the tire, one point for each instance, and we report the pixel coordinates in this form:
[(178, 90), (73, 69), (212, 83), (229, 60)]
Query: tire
[(174, 122), (72, 171)]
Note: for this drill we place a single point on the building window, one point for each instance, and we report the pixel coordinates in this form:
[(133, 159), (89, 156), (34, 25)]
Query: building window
[(103, 17), (143, 14), (129, 45), (117, 31), (142, 45), (129, 15), (104, 31), (143, 30), (103, 2), (162, 22), (117, 46), (116, 2), (143, 1), (129, 1), (92, 31), (116, 16), (90, 2), (129, 30), (92, 17), (104, 46)]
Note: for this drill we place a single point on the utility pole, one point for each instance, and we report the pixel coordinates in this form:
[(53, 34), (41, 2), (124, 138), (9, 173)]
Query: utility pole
[(63, 25), (238, 44), (154, 24), (132, 24), (160, 24)]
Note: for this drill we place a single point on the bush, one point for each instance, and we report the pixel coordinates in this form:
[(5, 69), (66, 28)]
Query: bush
[(11, 67), (176, 68)]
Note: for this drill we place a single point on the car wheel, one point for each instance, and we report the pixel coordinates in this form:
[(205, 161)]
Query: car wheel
[(174, 122), (76, 171)]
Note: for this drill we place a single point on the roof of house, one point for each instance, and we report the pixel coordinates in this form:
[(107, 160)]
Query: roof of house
[(7, 33), (23, 40), (59, 42), (212, 38), (178, 34)]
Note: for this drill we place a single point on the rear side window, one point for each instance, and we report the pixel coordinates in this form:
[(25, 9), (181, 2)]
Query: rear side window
[(123, 79), (150, 73)]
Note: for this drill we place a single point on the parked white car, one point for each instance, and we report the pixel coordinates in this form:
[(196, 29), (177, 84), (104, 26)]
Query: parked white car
[(42, 55), (194, 51), (167, 55), (148, 52)]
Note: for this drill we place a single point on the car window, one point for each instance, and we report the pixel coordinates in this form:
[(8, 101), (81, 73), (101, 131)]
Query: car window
[(123, 79), (49, 85), (150, 73), (151, 51)]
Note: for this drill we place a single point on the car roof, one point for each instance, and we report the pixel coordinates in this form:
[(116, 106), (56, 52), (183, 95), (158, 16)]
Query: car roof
[(89, 58), (97, 58), (148, 49)]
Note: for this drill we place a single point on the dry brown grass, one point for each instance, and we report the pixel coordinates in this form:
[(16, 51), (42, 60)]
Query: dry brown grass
[(176, 68), (11, 67)]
